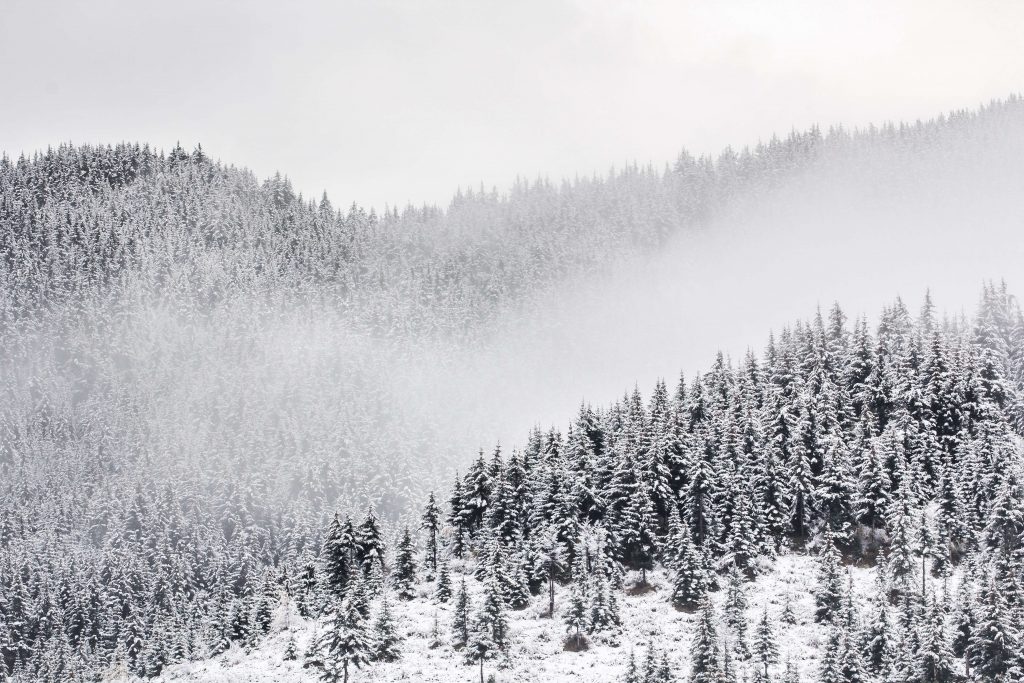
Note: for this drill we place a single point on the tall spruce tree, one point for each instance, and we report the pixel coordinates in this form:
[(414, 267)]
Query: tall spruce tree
[(431, 523), (829, 591), (765, 651), (343, 644), (705, 652), (385, 635), (403, 576)]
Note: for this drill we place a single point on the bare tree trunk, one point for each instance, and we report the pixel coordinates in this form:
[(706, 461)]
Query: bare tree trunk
[(551, 591), (481, 670)]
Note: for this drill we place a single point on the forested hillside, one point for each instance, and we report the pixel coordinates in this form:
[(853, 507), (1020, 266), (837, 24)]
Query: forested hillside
[(898, 453), (199, 370)]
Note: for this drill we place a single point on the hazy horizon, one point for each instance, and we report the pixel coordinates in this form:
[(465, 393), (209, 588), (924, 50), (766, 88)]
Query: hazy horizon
[(394, 102)]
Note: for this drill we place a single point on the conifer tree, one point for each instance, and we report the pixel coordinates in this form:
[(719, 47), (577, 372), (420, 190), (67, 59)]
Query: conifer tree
[(491, 616), (385, 636), (873, 495), (792, 674), (728, 668), (963, 620), (788, 616), (673, 544), (828, 594), (461, 615), (338, 550), (263, 608), (358, 595), (765, 651), (291, 651), (458, 519), (879, 637), (1004, 529), (479, 649), (650, 667), (604, 608), (575, 615), (477, 493), (343, 644), (704, 648), (741, 543), (830, 670), (369, 544), (403, 577), (517, 587), (552, 554), (835, 491), (994, 645), (490, 631), (443, 592), (632, 674), (735, 611), (901, 566), (934, 657), (431, 523), (852, 668), (689, 582)]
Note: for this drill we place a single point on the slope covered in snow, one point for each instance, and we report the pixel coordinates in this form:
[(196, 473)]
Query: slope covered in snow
[(538, 651)]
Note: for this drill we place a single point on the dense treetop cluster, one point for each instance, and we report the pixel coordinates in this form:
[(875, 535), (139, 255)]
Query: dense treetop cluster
[(900, 450)]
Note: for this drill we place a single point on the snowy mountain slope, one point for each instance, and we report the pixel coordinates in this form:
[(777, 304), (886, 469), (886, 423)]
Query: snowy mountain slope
[(200, 370), (538, 644)]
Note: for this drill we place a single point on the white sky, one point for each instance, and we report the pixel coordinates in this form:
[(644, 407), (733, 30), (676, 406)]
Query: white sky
[(389, 102)]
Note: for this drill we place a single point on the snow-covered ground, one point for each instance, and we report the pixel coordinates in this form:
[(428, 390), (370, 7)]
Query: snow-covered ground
[(537, 652)]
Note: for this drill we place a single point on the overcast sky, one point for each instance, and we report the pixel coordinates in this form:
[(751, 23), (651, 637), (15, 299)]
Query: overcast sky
[(390, 102)]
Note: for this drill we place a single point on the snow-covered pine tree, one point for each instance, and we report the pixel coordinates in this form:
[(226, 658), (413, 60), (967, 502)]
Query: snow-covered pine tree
[(901, 567), (788, 616), (403, 575), (338, 550), (871, 505), (994, 647), (491, 617), (358, 595), (766, 650), (835, 491), (735, 612), (689, 578), (705, 653), (934, 656), (792, 673), (879, 637), (291, 650), (385, 635), (489, 636), (828, 593), (461, 619), (552, 554), (431, 523), (476, 493), (458, 519), (632, 673), (369, 542), (830, 669), (443, 592), (575, 615), (343, 644)]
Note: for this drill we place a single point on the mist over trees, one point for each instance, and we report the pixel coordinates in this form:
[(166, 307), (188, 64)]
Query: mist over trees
[(198, 373)]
